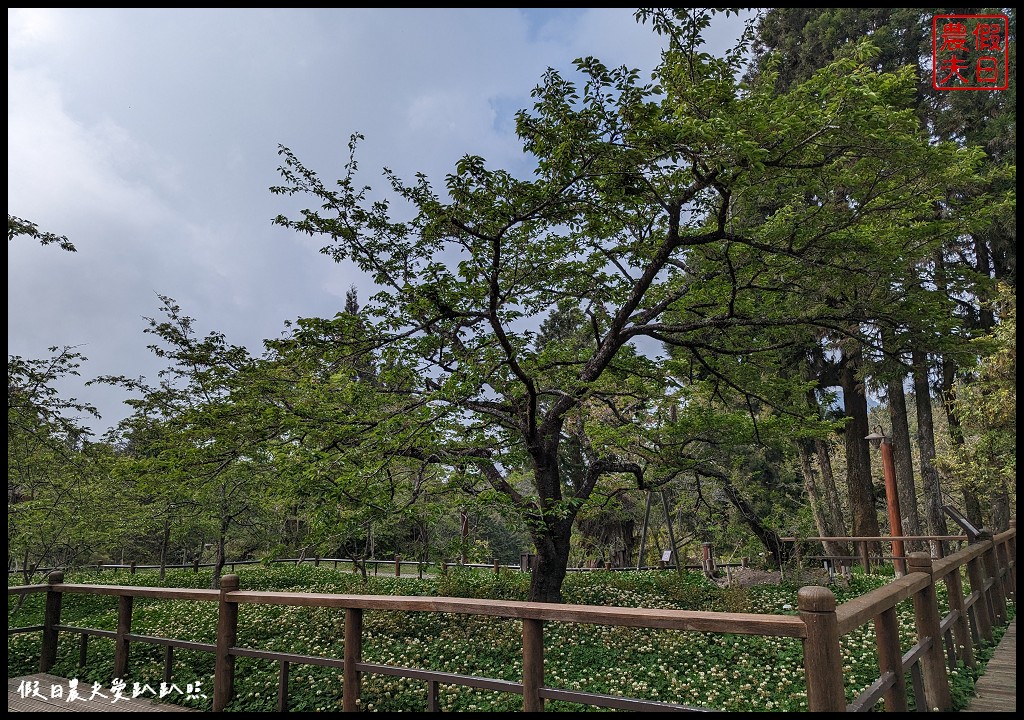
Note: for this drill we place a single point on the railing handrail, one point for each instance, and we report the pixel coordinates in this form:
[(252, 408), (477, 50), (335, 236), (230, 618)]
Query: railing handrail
[(872, 538), (655, 618)]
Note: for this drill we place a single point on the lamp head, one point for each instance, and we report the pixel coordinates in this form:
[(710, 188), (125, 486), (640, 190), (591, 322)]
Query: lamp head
[(876, 438)]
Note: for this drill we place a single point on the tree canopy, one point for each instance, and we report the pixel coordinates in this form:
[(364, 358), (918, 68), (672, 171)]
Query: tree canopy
[(718, 217)]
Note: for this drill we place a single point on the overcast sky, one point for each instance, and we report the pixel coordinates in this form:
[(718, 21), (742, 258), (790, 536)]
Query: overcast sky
[(149, 138)]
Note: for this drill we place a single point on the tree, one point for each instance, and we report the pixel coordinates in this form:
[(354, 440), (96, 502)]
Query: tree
[(313, 392), (169, 515), (54, 470), (955, 281), (986, 460), (204, 451), (52, 473), (636, 208), (16, 226)]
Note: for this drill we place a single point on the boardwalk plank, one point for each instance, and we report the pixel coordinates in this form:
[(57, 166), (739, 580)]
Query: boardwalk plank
[(44, 702), (996, 690)]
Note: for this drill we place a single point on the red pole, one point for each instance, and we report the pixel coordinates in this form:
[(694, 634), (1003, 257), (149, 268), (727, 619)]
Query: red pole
[(892, 500)]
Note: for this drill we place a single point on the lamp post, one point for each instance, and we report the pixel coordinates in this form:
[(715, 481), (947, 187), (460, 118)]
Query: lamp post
[(880, 440)]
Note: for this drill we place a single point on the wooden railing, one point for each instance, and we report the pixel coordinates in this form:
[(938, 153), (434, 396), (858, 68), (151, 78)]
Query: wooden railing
[(401, 566), (988, 564), (864, 556)]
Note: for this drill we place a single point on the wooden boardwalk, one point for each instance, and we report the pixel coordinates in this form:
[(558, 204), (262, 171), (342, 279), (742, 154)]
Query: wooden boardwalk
[(996, 690), (52, 694)]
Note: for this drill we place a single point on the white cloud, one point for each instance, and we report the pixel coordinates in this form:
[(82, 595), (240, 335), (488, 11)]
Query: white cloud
[(31, 29)]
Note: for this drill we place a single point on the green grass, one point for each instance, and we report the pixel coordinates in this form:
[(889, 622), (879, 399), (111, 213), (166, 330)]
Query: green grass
[(726, 672)]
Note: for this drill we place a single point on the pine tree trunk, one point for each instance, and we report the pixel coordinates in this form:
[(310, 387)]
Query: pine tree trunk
[(837, 520), (972, 506), (934, 514), (858, 461), (903, 462), (818, 504), (165, 541)]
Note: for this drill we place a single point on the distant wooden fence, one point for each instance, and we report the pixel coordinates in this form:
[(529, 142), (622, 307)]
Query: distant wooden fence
[(865, 558), (988, 565), (400, 565)]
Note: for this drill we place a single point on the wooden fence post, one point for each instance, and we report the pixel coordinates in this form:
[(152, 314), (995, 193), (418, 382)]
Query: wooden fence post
[(823, 661), (982, 603), (890, 658), (352, 654), (227, 631), (282, 686), (168, 663), (398, 566), (708, 559), (83, 650), (1010, 559), (533, 665), (926, 619), (992, 572), (961, 630), (51, 619), (124, 627)]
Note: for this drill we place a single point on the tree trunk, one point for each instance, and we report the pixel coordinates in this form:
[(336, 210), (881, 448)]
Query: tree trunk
[(218, 566), (552, 531), (552, 544), (165, 541), (828, 376), (225, 523), (463, 536), (26, 571), (934, 514), (903, 462), (972, 505), (983, 266), (858, 459), (818, 505), (779, 552), (828, 481), (1001, 509)]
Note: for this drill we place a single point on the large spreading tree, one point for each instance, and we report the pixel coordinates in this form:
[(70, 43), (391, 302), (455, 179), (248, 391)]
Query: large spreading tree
[(723, 219)]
